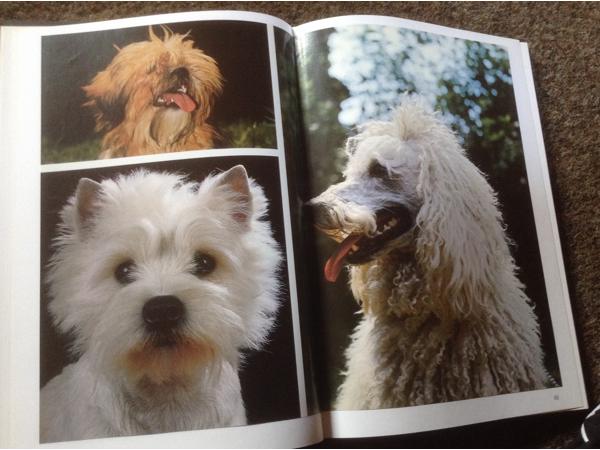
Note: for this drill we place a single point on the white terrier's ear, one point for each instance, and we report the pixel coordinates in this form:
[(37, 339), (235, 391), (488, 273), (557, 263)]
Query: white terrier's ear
[(86, 195), (236, 179)]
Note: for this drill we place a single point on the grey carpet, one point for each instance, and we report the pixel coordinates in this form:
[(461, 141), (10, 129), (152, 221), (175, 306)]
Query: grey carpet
[(564, 40)]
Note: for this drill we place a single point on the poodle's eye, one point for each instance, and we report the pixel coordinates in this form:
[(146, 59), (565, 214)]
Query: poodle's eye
[(204, 264), (125, 271), (376, 170)]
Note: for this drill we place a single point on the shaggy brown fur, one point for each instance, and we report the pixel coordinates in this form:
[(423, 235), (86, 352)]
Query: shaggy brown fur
[(155, 96)]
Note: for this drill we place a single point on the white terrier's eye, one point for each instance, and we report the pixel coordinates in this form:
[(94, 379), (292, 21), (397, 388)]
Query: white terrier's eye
[(203, 264), (124, 272)]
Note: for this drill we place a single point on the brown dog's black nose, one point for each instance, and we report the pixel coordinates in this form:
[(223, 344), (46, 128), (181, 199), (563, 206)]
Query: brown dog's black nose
[(181, 74), (163, 313)]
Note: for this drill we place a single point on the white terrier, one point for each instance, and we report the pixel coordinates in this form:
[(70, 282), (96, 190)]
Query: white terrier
[(162, 281)]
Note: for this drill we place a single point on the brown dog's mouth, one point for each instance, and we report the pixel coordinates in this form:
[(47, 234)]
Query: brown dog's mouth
[(177, 98), (359, 248)]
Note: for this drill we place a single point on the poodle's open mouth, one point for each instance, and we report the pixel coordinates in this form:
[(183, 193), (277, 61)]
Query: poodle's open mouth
[(177, 97), (359, 248)]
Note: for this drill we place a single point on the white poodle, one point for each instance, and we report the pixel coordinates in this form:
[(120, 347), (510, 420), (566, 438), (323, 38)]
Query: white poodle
[(444, 316)]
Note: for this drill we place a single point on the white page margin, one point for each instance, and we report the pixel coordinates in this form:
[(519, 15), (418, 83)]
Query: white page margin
[(197, 16)]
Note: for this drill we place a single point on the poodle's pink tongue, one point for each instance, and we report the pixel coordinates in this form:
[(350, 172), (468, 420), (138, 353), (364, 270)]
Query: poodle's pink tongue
[(184, 101), (333, 266)]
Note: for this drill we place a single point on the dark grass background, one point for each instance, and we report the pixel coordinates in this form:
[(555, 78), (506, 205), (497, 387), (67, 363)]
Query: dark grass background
[(563, 40), (269, 395)]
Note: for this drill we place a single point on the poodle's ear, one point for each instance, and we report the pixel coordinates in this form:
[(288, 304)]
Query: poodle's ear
[(461, 242)]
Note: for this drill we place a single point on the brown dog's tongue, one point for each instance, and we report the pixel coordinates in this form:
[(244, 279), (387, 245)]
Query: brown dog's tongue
[(184, 101), (333, 266)]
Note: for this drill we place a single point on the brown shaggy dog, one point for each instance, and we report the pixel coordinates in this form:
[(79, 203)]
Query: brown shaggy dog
[(155, 96)]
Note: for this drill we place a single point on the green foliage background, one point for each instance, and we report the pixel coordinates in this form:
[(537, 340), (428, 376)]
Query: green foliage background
[(472, 88)]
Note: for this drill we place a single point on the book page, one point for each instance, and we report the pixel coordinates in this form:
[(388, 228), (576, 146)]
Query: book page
[(154, 281), (442, 295), (5, 266)]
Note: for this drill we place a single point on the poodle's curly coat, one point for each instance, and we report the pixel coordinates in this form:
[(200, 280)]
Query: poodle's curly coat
[(444, 316)]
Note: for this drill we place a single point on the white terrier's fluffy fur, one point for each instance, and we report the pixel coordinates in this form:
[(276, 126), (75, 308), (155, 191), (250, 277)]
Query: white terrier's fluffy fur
[(444, 316), (121, 383)]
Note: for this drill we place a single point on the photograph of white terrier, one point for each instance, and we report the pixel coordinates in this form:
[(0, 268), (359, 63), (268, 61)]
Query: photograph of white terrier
[(162, 282), (444, 316)]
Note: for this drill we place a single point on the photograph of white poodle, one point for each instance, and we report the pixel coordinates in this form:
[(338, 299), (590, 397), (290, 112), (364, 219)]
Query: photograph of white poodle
[(443, 315)]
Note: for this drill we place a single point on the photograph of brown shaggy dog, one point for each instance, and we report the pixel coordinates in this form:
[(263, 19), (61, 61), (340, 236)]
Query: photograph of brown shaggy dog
[(155, 96)]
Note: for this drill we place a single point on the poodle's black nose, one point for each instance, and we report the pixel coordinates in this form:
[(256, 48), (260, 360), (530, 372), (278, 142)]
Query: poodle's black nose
[(322, 215), (163, 313)]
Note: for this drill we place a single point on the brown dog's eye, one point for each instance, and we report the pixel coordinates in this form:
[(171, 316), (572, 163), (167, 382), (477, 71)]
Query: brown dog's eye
[(204, 264), (124, 273)]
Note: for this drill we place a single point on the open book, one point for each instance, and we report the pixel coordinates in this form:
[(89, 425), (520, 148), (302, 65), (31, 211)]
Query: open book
[(220, 230)]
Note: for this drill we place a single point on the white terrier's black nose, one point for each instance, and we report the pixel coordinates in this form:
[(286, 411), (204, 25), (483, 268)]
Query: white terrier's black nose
[(163, 313)]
